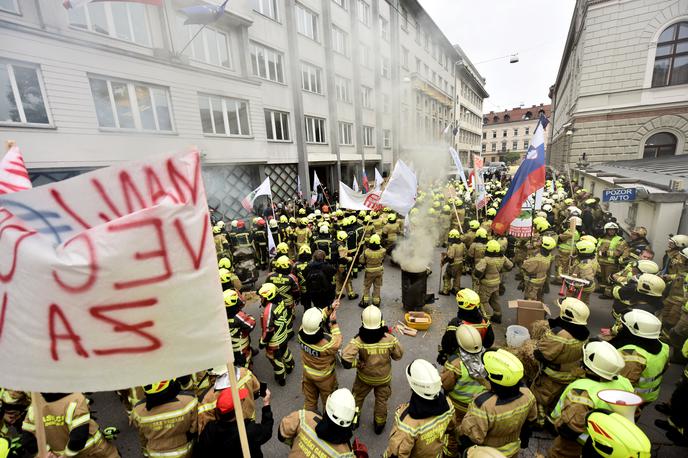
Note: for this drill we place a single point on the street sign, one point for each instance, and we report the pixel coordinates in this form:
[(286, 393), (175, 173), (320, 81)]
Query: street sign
[(619, 195)]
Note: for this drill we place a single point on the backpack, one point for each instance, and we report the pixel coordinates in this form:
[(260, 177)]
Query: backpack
[(317, 281)]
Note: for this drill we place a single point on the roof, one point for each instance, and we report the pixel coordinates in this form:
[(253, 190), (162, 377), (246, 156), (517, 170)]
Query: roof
[(515, 114), (469, 69)]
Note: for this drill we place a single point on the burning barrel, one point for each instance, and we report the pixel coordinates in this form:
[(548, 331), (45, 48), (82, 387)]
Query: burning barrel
[(414, 289)]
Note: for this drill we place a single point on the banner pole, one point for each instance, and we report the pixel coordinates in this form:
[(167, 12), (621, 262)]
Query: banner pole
[(351, 267), (238, 410)]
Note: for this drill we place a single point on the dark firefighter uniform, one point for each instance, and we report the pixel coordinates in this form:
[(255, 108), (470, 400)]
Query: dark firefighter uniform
[(245, 379), (298, 431), (287, 287), (276, 326), (240, 325), (318, 359), (260, 245)]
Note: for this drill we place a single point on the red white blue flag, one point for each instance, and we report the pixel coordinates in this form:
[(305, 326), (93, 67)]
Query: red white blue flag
[(366, 186), (529, 177)]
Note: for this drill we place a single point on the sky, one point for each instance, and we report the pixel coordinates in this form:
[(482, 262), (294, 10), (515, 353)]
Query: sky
[(490, 29)]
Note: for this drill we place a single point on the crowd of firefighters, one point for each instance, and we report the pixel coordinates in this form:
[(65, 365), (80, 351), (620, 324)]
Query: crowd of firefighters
[(483, 401)]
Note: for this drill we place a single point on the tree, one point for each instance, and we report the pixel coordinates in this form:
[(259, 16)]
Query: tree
[(512, 157)]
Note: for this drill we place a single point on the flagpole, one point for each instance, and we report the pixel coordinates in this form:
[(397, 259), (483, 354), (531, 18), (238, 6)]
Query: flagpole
[(189, 42)]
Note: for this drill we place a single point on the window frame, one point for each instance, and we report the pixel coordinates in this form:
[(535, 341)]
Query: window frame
[(203, 36), (671, 56), (273, 121), (266, 50), (367, 97), (384, 31), (9, 68), (348, 85), (319, 76), (225, 116), (16, 11), (344, 4), (368, 131), (387, 138), (314, 21), (385, 67), (345, 128), (109, 18), (366, 8), (272, 2), (335, 33), (323, 127), (657, 147)]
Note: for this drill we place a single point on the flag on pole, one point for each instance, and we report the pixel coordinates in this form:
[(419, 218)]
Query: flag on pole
[(262, 190), (378, 180), (272, 248), (529, 177), (447, 129), (314, 191), (13, 174), (69, 4), (203, 14), (353, 200), (459, 167), (299, 192), (400, 193), (366, 186), (479, 184), (355, 185)]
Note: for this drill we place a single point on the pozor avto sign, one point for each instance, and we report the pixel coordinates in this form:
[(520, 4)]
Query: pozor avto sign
[(619, 195)]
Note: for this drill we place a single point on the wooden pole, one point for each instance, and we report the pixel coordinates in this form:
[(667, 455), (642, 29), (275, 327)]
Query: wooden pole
[(37, 401), (351, 267), (238, 410)]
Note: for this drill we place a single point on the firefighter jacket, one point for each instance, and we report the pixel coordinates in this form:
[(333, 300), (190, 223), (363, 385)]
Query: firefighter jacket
[(561, 354), (644, 369), (287, 287), (302, 236), (566, 241), (459, 386), (275, 324), (373, 259), (497, 423), (468, 238), (243, 239), (325, 244), (319, 359), (62, 416), (373, 361), (536, 268), (609, 250), (491, 268), (301, 271), (166, 430), (586, 269), (455, 254), (245, 379), (343, 255), (259, 237), (298, 431), (391, 231), (579, 398), (419, 438), (377, 224), (449, 345), (476, 252), (240, 327)]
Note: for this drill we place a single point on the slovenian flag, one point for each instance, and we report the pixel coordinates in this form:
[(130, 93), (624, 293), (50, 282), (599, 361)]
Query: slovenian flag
[(203, 14), (365, 182), (529, 177)]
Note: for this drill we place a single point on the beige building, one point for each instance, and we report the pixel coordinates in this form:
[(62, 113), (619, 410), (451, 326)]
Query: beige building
[(469, 102), (508, 133), (276, 87), (621, 92)]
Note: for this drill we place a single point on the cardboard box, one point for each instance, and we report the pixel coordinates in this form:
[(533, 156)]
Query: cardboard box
[(528, 312)]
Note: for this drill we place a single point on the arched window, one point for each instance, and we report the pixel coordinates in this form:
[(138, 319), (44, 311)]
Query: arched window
[(528, 115), (495, 119), (660, 144), (671, 58)]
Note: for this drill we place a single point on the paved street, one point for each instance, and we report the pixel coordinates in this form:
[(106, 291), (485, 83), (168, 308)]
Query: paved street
[(424, 345)]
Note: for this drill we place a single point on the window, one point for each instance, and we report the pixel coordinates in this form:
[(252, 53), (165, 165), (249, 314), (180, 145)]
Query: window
[(368, 134), (527, 131), (266, 8), (526, 145), (417, 32), (494, 147), (306, 22), (22, 97), (346, 133), (343, 88), (515, 132), (385, 103), (129, 105), (484, 135), (503, 146), (384, 29), (386, 138), (671, 58), (404, 57), (660, 144), (514, 145), (315, 129), (340, 41), (123, 20), (277, 125), (384, 67), (426, 35), (224, 116), (417, 65), (9, 5), (267, 63), (365, 55), (367, 97), (404, 19), (311, 78), (504, 133), (342, 3), (210, 46), (494, 134), (364, 12)]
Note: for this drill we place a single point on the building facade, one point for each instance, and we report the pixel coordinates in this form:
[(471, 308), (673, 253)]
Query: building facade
[(621, 92), (506, 135), (469, 107), (274, 87)]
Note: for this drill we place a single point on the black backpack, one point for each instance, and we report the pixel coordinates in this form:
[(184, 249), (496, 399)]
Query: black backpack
[(317, 281)]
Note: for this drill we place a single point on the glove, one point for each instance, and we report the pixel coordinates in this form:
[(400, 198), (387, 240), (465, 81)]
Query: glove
[(261, 345), (441, 358), (111, 433)]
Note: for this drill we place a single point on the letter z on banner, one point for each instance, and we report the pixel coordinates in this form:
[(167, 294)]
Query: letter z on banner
[(109, 280)]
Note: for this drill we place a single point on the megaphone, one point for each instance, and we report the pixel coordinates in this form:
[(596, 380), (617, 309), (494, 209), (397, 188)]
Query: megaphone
[(622, 402)]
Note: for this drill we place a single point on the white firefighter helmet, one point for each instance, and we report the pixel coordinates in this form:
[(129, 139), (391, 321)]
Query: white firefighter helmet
[(312, 319), (642, 324), (341, 407), (424, 379), (371, 317), (603, 359), (611, 225), (651, 285), (573, 310), (648, 267), (469, 338)]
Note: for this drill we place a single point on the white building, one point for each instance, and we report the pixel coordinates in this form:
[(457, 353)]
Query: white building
[(273, 87), (622, 88)]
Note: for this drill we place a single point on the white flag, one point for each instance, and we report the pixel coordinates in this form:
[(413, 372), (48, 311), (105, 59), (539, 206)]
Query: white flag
[(299, 192), (352, 200), (314, 191), (459, 167), (400, 193), (13, 174), (378, 181), (355, 185), (262, 190), (271, 243)]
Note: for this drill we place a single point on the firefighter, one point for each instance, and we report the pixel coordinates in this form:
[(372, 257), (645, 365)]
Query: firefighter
[(676, 424), (464, 377), (302, 235), (613, 435), (372, 259), (172, 437), (260, 243), (536, 269), (489, 270), (422, 424), (390, 232), (318, 351), (675, 269), (221, 242), (69, 428), (487, 223), (559, 352), (475, 253), (445, 224), (630, 273), (602, 364), (287, 286), (469, 236), (228, 279), (310, 434), (301, 271), (645, 294), (275, 325), (636, 245), (609, 251), (456, 250), (468, 303), (460, 214), (645, 355), (679, 332), (501, 417), (240, 325), (567, 239), (586, 267), (325, 243), (371, 353), (343, 266)]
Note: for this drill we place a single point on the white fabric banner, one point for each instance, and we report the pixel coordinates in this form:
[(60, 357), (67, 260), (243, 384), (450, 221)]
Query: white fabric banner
[(459, 166), (13, 174), (378, 181), (109, 280), (352, 200), (400, 193), (262, 190), (355, 185), (314, 191)]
